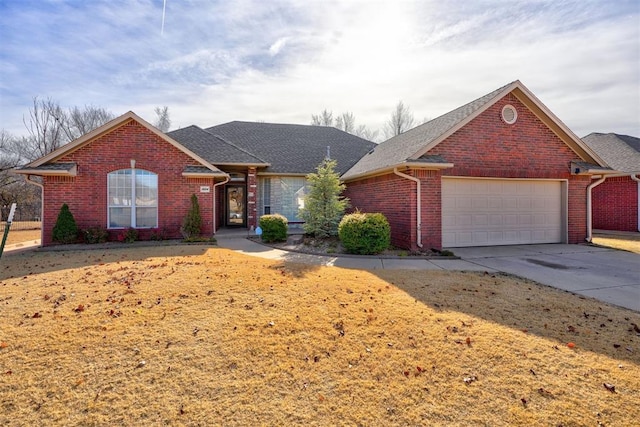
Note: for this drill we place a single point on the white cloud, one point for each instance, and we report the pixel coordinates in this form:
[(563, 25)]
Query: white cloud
[(283, 61)]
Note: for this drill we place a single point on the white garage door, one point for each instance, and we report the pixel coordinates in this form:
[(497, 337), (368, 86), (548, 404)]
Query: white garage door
[(482, 212)]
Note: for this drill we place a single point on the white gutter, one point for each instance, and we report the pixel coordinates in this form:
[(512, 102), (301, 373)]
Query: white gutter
[(636, 179), (590, 208), (27, 178), (418, 205), (226, 179)]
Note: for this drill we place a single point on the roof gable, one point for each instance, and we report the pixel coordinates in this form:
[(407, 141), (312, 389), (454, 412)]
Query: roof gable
[(415, 143), (620, 152), (108, 127)]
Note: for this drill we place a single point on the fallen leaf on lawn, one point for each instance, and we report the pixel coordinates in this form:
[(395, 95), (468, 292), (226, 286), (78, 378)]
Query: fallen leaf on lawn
[(3, 344), (79, 308), (610, 387)]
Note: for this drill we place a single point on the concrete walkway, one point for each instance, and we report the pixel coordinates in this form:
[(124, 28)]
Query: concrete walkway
[(606, 274)]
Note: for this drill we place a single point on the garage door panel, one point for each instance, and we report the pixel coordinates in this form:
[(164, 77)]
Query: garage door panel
[(477, 212)]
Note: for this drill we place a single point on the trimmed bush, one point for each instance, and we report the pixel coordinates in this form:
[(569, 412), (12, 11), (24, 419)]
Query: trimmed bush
[(129, 235), (364, 233), (66, 230), (192, 224), (274, 228), (95, 234)]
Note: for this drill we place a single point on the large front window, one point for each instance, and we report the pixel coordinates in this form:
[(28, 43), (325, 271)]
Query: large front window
[(283, 195), (133, 199)]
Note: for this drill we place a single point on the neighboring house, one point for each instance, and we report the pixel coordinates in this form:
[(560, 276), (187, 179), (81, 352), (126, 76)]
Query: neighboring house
[(500, 170), (615, 200), (129, 174)]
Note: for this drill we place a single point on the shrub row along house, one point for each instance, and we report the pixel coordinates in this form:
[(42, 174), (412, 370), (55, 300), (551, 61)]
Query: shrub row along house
[(499, 170)]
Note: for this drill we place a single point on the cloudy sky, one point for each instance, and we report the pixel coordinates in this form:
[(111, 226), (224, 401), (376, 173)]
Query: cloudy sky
[(282, 61)]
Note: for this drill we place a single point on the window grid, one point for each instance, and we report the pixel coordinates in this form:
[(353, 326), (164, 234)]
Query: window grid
[(132, 202)]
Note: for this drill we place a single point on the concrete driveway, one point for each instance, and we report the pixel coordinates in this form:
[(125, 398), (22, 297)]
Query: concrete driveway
[(606, 274)]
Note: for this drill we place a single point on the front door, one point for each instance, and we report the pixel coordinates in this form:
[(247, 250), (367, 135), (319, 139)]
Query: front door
[(236, 204)]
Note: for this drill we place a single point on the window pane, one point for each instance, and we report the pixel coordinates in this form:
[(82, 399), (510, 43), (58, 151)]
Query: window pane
[(121, 202), (119, 217), (287, 196), (146, 217)]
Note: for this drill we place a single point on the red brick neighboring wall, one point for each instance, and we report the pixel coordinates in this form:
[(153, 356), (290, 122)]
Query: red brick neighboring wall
[(485, 147), (86, 193), (615, 204)]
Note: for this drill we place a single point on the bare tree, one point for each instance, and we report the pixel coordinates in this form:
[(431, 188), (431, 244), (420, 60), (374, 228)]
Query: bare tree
[(401, 121), (364, 132), (346, 122), (323, 119), (83, 121), (49, 126), (163, 121)]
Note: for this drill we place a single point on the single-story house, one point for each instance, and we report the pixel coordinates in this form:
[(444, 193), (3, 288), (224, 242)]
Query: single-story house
[(499, 170), (615, 200), (127, 173)]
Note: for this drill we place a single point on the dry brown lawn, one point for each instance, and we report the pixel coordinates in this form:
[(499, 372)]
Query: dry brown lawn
[(21, 236), (626, 243), (192, 335)]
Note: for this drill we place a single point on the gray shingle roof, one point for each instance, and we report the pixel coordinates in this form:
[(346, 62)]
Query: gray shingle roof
[(50, 167), (201, 170), (620, 152), (211, 148), (294, 149), (404, 147)]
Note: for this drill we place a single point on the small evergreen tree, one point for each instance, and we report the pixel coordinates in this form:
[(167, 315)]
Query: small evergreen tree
[(192, 224), (66, 229), (323, 206)]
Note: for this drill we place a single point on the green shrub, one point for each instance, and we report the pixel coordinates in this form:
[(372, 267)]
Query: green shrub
[(274, 228), (323, 206), (95, 234), (65, 230), (192, 224), (130, 235), (364, 233)]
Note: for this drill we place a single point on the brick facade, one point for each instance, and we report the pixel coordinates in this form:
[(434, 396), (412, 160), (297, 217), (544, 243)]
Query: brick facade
[(615, 205), (485, 147), (86, 193)]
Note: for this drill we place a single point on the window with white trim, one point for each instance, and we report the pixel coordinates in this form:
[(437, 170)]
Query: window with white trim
[(132, 199)]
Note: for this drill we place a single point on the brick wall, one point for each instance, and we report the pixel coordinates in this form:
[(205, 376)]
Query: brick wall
[(615, 205), (86, 194), (395, 197), (485, 147)]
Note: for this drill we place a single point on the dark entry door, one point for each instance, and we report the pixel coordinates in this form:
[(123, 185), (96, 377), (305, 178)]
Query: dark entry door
[(236, 206)]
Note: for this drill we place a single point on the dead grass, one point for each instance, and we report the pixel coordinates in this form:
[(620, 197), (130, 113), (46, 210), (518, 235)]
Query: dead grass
[(626, 243), (185, 335), (22, 236)]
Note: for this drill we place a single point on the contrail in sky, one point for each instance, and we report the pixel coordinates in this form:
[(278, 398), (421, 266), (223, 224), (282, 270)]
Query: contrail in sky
[(164, 7)]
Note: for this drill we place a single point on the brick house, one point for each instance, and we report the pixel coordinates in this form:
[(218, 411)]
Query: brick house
[(615, 199), (129, 174), (499, 170)]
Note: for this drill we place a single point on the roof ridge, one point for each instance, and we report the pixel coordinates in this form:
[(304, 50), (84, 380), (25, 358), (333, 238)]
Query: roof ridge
[(234, 145)]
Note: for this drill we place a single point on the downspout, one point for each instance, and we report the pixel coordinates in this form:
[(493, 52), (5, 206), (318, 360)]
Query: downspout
[(418, 205), (27, 178), (214, 201), (636, 179), (590, 208)]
